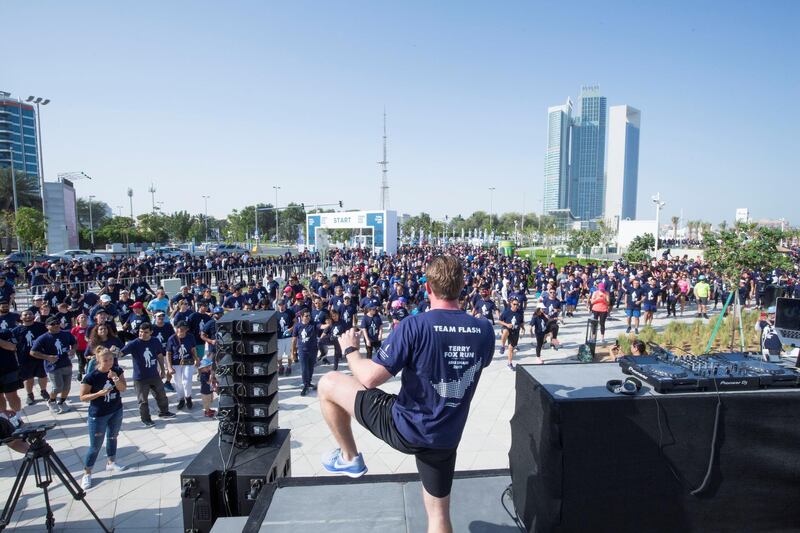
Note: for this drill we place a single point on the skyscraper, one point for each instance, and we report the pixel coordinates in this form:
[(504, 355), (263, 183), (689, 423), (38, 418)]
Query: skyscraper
[(18, 135), (623, 162), (587, 180), (556, 163)]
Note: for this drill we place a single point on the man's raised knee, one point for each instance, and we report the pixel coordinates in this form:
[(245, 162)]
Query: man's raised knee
[(326, 382)]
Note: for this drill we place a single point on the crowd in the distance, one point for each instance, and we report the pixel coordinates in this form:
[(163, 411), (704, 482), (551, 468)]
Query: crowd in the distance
[(90, 314)]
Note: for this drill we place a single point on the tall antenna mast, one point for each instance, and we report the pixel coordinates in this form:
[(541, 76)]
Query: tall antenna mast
[(384, 170), (152, 191)]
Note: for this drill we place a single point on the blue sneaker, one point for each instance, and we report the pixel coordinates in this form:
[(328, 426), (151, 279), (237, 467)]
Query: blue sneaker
[(333, 462), (169, 387)]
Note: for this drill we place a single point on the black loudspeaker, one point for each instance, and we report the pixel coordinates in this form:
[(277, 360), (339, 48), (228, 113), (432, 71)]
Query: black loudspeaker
[(211, 489), (247, 375)]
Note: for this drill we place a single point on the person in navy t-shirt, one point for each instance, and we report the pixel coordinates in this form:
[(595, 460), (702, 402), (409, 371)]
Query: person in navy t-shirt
[(441, 354), (147, 354), (304, 348), (372, 329)]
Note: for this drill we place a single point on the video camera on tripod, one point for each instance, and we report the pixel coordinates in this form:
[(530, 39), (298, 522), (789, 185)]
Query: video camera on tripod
[(30, 433)]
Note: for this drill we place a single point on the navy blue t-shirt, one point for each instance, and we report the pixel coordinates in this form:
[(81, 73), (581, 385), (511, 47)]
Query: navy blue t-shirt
[(485, 309), (8, 358), (25, 336), (634, 295), (58, 344), (109, 403), (9, 321), (145, 358), (285, 323), (441, 354), (515, 318), (181, 349), (373, 326), (306, 337)]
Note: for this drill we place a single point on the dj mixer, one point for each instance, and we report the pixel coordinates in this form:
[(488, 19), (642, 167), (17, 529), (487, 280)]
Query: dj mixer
[(667, 372)]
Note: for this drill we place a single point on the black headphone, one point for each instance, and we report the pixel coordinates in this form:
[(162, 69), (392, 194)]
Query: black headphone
[(631, 386)]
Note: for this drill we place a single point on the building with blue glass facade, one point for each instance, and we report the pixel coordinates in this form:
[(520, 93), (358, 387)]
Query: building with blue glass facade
[(556, 162), (18, 135), (622, 176), (587, 170)]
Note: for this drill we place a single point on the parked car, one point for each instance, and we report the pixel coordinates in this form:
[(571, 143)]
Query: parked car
[(25, 258), (166, 251), (228, 249), (83, 255)]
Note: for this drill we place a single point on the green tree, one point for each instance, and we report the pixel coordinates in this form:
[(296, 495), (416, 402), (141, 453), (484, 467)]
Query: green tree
[(744, 247), (152, 227), (119, 229), (29, 224), (178, 225), (27, 190), (101, 213), (289, 218), (640, 248)]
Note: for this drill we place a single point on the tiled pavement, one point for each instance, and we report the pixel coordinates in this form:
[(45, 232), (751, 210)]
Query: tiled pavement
[(146, 496)]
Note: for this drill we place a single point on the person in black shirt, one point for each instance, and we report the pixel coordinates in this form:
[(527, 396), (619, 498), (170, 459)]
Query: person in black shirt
[(10, 381), (102, 388)]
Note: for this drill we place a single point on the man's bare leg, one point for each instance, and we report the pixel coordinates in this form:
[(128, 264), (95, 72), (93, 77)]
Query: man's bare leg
[(337, 399), (438, 510)]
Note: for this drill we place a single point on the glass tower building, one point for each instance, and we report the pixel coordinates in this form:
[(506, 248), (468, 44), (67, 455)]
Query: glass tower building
[(556, 162), (587, 180), (624, 123), (18, 135)]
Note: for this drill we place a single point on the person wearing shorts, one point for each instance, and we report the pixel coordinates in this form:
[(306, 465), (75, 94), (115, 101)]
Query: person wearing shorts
[(702, 290), (372, 329), (512, 321), (56, 348), (427, 417), (633, 306), (30, 368), (10, 382)]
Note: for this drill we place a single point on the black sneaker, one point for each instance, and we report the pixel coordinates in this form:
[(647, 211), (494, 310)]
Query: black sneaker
[(304, 391), (325, 361), (281, 371), (169, 387), (148, 422), (189, 403), (45, 395), (181, 404), (79, 377), (705, 315), (312, 386), (628, 330), (636, 331), (166, 414), (288, 371)]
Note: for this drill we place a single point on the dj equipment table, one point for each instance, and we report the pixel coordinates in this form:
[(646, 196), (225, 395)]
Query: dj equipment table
[(585, 459)]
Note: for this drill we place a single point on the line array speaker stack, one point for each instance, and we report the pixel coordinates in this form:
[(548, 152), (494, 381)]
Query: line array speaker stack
[(247, 375), (250, 453)]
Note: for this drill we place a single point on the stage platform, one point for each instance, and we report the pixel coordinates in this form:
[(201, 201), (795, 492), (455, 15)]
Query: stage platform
[(386, 503)]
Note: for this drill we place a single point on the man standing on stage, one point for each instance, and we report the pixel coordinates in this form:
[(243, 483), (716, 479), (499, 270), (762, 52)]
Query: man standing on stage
[(441, 353)]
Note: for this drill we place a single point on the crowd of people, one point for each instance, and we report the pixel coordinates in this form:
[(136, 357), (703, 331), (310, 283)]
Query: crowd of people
[(84, 316)]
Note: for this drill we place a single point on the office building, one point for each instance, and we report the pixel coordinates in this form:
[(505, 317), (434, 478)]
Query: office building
[(18, 135), (556, 164), (61, 213), (622, 173), (587, 173)]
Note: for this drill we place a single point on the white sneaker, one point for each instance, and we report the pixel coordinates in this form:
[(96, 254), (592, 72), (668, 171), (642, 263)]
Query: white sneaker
[(115, 468), (86, 482), (64, 408), (53, 408)]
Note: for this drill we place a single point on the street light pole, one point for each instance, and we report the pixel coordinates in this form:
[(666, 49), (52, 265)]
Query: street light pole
[(43, 101), (491, 207), (276, 213), (659, 205), (205, 199), (130, 197), (91, 222)]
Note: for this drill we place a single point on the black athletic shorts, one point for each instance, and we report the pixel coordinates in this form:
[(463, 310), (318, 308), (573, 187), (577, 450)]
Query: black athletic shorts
[(10, 382), (513, 337), (373, 410), (32, 368)]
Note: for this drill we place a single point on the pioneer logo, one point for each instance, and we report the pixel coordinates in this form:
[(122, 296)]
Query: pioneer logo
[(742, 382)]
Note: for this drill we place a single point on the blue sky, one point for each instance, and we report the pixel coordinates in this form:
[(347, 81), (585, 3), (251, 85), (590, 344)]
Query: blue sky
[(229, 99)]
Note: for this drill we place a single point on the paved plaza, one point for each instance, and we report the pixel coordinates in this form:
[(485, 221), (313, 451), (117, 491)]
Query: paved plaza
[(146, 496)]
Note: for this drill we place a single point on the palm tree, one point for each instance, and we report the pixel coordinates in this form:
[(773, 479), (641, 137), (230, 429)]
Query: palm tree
[(27, 190), (675, 221)]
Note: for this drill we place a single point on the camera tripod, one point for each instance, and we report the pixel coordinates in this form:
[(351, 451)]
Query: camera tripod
[(41, 457)]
